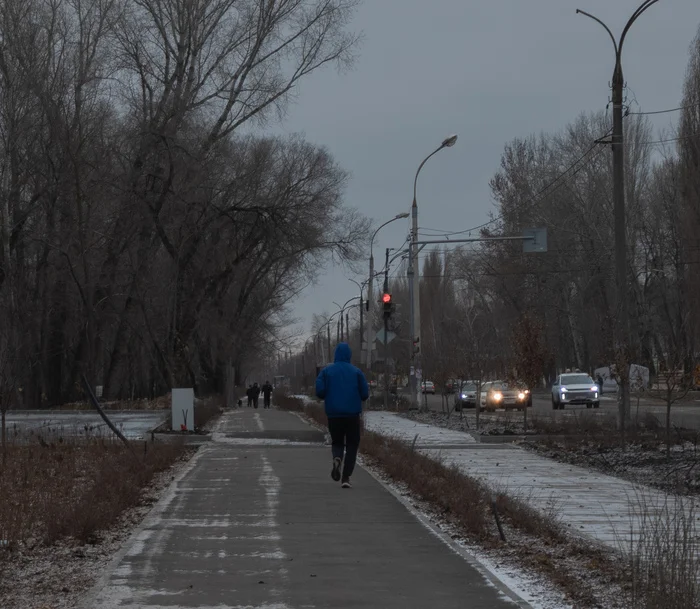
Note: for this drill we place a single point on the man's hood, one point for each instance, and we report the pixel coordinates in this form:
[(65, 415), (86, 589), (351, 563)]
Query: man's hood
[(343, 353)]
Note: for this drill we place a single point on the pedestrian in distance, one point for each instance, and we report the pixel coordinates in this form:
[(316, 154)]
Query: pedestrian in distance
[(249, 394), (267, 394), (343, 388), (256, 395)]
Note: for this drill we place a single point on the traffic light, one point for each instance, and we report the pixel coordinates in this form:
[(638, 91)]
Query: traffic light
[(386, 299), (416, 346)]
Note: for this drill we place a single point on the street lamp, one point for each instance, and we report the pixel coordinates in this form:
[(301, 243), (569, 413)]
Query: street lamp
[(342, 310), (368, 332), (414, 276), (362, 309), (618, 83)]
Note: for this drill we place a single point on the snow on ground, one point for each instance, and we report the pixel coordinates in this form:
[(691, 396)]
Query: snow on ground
[(393, 425), (304, 398), (606, 509)]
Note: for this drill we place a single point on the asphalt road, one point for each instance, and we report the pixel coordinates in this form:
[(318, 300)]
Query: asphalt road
[(684, 414)]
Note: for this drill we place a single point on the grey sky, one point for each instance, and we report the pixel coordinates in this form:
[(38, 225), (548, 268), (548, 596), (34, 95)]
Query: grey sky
[(488, 70)]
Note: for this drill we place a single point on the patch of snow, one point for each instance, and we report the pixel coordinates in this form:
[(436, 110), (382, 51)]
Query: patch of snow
[(306, 399), (604, 508), (396, 426)]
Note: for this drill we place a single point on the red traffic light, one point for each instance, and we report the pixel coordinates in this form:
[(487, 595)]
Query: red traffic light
[(386, 298)]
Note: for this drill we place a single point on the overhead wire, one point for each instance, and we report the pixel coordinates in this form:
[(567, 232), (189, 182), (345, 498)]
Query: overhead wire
[(663, 111), (537, 197)]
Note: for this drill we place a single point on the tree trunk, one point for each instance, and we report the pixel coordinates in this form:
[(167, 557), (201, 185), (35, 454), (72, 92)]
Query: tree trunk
[(3, 409), (668, 428)]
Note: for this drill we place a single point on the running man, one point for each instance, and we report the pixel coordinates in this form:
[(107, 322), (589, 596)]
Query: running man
[(343, 388)]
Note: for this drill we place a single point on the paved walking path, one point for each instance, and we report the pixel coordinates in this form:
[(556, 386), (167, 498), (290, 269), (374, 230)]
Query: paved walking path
[(607, 509), (261, 525)]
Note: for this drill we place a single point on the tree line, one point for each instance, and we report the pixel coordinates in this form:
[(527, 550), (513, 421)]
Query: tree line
[(151, 234)]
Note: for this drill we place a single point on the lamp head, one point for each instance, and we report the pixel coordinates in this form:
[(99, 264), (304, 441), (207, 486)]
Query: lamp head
[(449, 141)]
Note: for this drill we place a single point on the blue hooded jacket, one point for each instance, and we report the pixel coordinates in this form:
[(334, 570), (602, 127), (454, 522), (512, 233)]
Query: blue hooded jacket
[(342, 386)]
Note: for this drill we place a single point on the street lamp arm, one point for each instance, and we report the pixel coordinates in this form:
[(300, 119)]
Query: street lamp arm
[(349, 300), (425, 160), (644, 6), (607, 29), (397, 217)]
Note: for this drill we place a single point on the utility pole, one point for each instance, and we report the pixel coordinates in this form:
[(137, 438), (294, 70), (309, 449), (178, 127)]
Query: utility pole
[(415, 373), (362, 333), (370, 295), (386, 335), (328, 333), (623, 333)]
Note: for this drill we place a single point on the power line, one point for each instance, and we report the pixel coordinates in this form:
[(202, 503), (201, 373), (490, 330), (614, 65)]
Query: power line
[(539, 195), (663, 111), (673, 139)]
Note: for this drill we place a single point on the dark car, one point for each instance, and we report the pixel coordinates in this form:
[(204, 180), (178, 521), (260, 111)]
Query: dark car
[(465, 396), (502, 395)]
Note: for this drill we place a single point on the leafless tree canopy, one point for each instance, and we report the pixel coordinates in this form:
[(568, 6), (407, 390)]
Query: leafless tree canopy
[(148, 233)]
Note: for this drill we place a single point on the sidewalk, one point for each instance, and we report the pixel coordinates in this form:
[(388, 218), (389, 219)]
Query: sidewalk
[(604, 508), (256, 522)]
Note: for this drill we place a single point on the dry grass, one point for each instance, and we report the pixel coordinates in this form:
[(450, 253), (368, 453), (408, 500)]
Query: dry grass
[(54, 487), (664, 559), (206, 410)]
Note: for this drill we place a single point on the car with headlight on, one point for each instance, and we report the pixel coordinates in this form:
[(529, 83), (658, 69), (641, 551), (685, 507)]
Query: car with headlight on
[(465, 395), (575, 388), (500, 394)]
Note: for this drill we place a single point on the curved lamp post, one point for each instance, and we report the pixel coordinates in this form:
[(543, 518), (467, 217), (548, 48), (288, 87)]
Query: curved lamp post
[(413, 276), (618, 83)]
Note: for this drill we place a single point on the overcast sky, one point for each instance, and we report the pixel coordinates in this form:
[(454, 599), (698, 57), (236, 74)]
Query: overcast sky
[(488, 70)]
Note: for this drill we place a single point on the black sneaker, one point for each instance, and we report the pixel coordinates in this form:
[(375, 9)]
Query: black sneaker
[(346, 483), (335, 472)]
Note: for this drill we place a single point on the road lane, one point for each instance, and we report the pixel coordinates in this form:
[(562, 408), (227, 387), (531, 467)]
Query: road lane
[(684, 414)]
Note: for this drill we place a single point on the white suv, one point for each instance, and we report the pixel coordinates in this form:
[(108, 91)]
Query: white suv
[(575, 388)]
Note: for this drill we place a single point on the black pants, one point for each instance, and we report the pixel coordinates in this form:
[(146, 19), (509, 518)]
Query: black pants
[(266, 398), (255, 401), (345, 437)]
